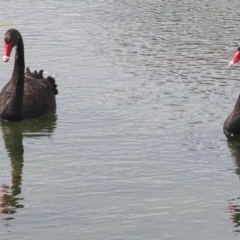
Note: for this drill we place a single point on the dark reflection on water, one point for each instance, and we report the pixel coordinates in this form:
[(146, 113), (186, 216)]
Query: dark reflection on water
[(234, 210), (13, 134), (234, 203)]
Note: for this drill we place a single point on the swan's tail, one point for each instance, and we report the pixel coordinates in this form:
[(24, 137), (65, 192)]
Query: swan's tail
[(39, 75), (52, 81)]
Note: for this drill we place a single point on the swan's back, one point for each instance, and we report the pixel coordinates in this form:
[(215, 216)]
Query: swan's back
[(232, 123), (39, 94)]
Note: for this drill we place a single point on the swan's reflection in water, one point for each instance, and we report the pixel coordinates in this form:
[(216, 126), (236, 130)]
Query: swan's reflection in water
[(234, 203), (13, 134), (234, 210)]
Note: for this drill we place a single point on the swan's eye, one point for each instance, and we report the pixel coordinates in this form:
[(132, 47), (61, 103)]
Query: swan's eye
[(6, 41)]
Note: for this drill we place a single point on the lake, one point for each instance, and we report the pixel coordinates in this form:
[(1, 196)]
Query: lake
[(136, 148)]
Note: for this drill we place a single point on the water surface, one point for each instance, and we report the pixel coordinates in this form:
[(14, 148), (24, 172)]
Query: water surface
[(135, 149)]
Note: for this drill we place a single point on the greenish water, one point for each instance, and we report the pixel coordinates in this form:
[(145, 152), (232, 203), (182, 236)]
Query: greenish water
[(135, 149)]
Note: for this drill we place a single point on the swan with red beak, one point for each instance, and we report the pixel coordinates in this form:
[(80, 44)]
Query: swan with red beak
[(27, 94), (235, 58)]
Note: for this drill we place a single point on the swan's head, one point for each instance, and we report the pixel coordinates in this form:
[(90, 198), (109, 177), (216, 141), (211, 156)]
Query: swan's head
[(235, 58), (11, 38)]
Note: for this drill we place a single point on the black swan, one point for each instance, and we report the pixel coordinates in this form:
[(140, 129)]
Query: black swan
[(27, 94), (232, 123)]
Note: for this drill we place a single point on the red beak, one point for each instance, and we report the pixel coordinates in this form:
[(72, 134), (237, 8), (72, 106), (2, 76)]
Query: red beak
[(235, 59), (7, 51)]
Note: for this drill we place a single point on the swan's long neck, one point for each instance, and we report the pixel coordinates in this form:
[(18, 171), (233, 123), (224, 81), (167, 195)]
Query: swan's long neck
[(19, 66), (18, 80)]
